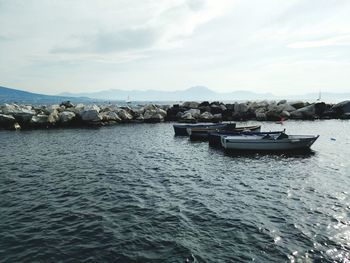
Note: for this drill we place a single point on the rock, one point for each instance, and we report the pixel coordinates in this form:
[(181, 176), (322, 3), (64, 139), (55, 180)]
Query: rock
[(22, 114), (215, 109), (296, 114), (91, 115), (285, 114), (206, 117), (272, 106), (217, 117), (187, 117), (230, 107), (66, 117), (341, 108), (204, 108), (195, 113), (298, 104), (272, 115), (223, 107), (307, 112), (320, 108), (204, 104), (282, 102), (67, 104), (154, 115), (53, 117), (39, 120), (150, 107), (110, 116), (124, 115), (139, 118), (7, 121), (240, 108), (260, 116), (190, 104), (285, 107), (162, 112)]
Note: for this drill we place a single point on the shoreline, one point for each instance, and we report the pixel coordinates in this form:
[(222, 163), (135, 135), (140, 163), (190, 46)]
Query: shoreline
[(66, 114)]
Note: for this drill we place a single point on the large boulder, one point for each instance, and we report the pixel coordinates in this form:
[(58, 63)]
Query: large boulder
[(40, 120), (342, 108), (66, 117), (49, 109), (124, 115), (53, 117), (150, 107), (215, 109), (91, 115), (195, 113), (22, 114), (217, 117), (204, 104), (260, 116), (206, 117), (190, 104), (110, 117), (154, 115), (285, 107), (298, 104), (7, 121), (187, 117), (241, 108), (307, 112)]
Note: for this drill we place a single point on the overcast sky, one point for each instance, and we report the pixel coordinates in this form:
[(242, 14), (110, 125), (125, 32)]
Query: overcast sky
[(283, 47)]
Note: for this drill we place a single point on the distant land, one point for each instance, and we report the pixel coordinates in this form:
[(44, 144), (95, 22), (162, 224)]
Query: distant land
[(8, 95), (198, 93), (201, 93)]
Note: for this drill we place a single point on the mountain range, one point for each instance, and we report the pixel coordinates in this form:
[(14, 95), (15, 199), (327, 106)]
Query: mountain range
[(198, 93), (8, 95), (201, 93)]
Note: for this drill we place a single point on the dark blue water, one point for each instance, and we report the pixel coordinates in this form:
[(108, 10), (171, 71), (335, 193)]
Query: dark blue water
[(136, 193)]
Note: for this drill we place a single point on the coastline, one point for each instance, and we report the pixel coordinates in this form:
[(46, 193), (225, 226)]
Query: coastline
[(66, 114)]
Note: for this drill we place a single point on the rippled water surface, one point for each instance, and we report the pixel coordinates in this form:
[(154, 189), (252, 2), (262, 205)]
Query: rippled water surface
[(136, 193)]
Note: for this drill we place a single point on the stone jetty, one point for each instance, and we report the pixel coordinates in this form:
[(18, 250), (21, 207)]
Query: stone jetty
[(14, 116)]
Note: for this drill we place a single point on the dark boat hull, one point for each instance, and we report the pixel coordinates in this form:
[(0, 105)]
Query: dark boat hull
[(215, 138), (181, 129), (203, 134)]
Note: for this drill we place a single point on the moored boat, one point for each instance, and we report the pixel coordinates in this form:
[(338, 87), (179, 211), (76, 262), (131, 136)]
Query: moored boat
[(181, 129), (269, 142), (214, 138), (203, 133)]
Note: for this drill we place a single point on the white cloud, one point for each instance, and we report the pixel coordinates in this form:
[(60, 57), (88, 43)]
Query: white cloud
[(333, 41), (52, 46)]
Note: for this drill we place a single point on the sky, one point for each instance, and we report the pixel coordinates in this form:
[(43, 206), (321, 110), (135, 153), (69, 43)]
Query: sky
[(283, 47)]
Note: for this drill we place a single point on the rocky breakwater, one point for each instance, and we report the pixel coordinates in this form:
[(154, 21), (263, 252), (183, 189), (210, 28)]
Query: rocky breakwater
[(260, 111), (13, 116)]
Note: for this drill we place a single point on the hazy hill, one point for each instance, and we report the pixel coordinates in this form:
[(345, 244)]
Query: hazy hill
[(8, 95), (198, 93)]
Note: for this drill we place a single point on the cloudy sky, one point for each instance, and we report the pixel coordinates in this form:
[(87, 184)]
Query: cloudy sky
[(283, 47)]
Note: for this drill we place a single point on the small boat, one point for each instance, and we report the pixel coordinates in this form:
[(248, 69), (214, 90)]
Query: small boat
[(181, 129), (203, 133), (214, 138), (270, 142)]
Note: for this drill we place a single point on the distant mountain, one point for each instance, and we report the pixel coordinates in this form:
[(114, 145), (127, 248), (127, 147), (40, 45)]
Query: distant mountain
[(8, 95), (198, 93)]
